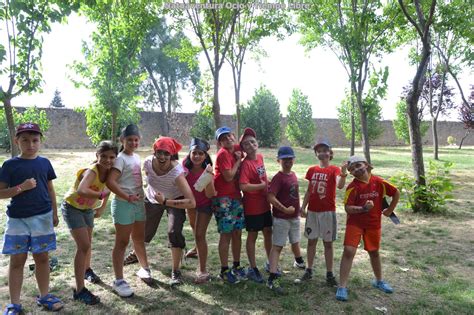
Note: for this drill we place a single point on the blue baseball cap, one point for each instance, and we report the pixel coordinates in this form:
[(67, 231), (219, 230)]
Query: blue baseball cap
[(221, 131), (285, 153)]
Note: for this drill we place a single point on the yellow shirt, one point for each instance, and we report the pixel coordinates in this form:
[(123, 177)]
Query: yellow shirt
[(83, 203)]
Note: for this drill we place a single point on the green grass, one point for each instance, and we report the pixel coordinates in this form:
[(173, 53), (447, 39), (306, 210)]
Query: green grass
[(427, 259)]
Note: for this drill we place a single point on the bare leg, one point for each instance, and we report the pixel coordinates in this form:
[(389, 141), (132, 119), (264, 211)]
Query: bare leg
[(202, 222), (328, 255), (311, 252), (236, 244), (82, 238), (267, 240), (122, 236), (15, 276), (295, 248), (138, 238), (274, 258), (376, 264), (224, 243), (346, 264), (42, 272), (250, 245)]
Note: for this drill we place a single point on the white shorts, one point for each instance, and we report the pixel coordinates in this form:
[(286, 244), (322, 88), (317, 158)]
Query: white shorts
[(321, 225), (284, 229)]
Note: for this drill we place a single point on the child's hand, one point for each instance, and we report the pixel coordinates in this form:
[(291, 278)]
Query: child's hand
[(263, 184), (238, 155), (344, 168), (290, 210), (387, 212), (369, 204), (55, 219), (133, 198), (106, 192), (28, 184), (98, 213), (303, 212), (209, 169), (160, 197)]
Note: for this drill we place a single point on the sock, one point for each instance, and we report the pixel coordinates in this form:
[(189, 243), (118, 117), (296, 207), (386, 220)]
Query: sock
[(256, 270), (329, 274), (299, 260), (309, 270), (224, 269), (272, 276), (236, 264)]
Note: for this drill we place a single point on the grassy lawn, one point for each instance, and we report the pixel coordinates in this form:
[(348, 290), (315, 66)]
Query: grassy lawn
[(429, 260)]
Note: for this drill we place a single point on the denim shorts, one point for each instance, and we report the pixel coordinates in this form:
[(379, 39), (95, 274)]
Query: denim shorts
[(77, 218), (126, 213), (34, 234)]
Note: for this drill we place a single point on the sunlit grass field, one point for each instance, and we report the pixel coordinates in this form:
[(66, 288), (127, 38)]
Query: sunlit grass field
[(429, 260)]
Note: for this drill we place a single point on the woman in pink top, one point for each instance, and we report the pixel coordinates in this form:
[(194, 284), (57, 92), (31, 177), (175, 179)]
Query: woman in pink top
[(196, 164)]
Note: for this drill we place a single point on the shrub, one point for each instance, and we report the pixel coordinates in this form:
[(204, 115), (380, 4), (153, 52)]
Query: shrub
[(451, 140), (435, 193), (203, 124), (300, 128), (262, 114)]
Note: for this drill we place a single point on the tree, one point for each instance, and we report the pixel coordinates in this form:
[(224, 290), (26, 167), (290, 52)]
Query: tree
[(214, 28), (166, 71), (57, 102), (262, 114), (300, 126), (466, 114), (31, 114), (438, 97), (347, 115), (26, 21), (400, 123), (420, 16), (111, 69), (251, 27), (203, 122), (355, 31)]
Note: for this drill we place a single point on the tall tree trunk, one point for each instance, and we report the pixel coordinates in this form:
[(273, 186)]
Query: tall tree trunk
[(468, 131), (114, 126), (215, 101), (164, 122), (353, 127), (434, 129), (11, 125), (363, 122)]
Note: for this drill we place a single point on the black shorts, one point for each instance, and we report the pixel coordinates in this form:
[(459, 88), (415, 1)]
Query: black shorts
[(255, 223)]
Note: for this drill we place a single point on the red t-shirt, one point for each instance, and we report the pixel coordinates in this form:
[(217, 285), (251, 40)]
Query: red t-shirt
[(253, 172), (201, 199), (322, 185), (225, 161), (358, 192), (285, 188)]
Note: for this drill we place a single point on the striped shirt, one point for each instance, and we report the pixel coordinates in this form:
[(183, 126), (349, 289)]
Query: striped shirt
[(166, 184)]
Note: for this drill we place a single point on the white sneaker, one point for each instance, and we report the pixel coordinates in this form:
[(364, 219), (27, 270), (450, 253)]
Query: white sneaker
[(122, 288), (144, 274), (299, 265)]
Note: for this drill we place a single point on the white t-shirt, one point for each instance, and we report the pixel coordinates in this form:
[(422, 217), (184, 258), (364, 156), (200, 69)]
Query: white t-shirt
[(166, 184), (130, 180)]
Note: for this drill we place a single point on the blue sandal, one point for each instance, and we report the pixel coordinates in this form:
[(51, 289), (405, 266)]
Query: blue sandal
[(13, 309), (48, 301)]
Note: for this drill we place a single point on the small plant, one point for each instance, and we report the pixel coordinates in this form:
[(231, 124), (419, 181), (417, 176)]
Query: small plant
[(434, 194), (203, 124), (451, 140)]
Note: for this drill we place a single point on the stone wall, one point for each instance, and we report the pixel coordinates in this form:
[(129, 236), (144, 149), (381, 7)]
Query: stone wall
[(68, 130)]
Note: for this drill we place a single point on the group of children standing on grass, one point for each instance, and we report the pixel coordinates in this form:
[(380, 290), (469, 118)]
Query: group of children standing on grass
[(271, 207)]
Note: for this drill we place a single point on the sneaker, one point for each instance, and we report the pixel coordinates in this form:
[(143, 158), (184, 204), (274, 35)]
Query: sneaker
[(202, 278), (229, 277), (239, 272), (254, 275), (91, 276), (342, 294), (299, 265), (130, 259), (275, 286), (382, 286), (144, 274), (331, 281), (122, 288), (266, 267), (176, 278), (306, 277), (85, 296)]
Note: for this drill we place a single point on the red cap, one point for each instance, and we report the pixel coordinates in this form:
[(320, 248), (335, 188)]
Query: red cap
[(167, 144), (247, 132), (28, 127)]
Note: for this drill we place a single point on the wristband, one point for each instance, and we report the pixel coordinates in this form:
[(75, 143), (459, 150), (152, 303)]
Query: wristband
[(101, 196), (164, 201)]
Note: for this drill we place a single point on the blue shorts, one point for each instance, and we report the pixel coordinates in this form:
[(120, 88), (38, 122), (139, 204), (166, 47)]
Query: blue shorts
[(229, 214), (77, 218), (34, 234), (125, 213)]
